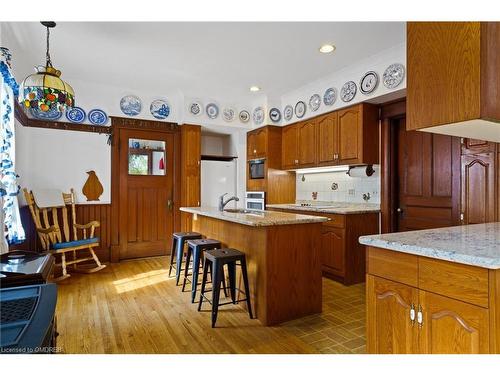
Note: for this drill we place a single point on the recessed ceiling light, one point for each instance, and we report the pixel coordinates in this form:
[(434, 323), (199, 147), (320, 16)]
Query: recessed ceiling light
[(327, 48), (254, 88)]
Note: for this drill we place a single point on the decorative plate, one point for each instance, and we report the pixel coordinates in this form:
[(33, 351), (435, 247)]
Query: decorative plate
[(131, 105), (369, 82), (98, 117), (244, 116), (275, 115), (52, 114), (76, 115), (195, 108), (348, 91), (212, 110), (258, 115), (160, 109), (300, 109), (288, 112), (330, 96), (394, 75), (314, 102), (228, 114)]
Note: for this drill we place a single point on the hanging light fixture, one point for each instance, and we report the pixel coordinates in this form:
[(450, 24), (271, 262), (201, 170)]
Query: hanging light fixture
[(45, 90)]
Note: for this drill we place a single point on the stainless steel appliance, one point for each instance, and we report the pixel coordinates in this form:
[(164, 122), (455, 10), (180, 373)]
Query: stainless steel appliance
[(256, 168), (255, 200)]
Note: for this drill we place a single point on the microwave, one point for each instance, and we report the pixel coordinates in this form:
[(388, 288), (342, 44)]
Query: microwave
[(255, 200), (256, 168)]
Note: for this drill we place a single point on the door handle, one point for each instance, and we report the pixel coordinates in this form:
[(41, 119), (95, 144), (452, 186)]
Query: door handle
[(420, 317), (169, 204), (400, 210), (412, 314)]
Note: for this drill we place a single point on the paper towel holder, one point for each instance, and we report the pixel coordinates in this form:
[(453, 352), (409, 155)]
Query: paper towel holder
[(369, 170)]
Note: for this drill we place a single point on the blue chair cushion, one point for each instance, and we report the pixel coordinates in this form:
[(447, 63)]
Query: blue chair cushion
[(65, 245)]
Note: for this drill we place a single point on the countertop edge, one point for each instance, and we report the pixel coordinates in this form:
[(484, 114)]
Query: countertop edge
[(447, 255), (325, 211)]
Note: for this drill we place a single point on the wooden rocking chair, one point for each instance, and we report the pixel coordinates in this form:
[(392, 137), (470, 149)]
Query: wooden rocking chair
[(52, 239)]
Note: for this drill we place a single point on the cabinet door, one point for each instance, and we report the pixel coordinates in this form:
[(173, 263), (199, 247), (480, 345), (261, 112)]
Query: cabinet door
[(307, 142), (478, 188), (389, 327), (349, 135), (290, 157), (260, 143), (333, 250), (251, 146), (327, 139), (452, 327)]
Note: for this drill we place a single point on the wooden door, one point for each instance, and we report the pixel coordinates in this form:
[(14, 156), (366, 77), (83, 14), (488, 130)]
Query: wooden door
[(333, 250), (290, 157), (145, 200), (428, 184), (349, 135), (307, 142), (452, 327), (260, 143), (327, 139), (251, 150), (478, 188), (389, 327)]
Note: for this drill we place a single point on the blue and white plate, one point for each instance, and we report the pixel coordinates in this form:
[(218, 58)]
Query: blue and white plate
[(258, 115), (51, 114), (288, 112), (195, 108), (244, 116), (300, 109), (98, 117), (314, 102), (76, 115), (131, 105), (330, 96), (212, 110), (275, 115), (160, 109), (228, 114)]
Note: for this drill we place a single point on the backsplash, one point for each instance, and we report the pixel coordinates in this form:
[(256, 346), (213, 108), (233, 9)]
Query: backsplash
[(349, 189)]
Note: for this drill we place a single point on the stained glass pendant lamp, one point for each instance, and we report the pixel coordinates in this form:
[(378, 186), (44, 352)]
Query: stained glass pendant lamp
[(45, 90)]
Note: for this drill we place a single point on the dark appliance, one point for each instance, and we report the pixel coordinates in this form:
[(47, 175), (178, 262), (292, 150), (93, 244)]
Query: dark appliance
[(256, 168), (24, 268), (27, 319)]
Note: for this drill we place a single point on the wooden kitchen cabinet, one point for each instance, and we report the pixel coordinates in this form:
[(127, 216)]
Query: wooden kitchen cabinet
[(257, 143), (307, 143), (290, 149), (452, 75), (190, 170), (327, 139), (429, 306)]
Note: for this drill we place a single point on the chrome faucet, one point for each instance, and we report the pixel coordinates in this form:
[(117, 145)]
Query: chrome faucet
[(223, 203)]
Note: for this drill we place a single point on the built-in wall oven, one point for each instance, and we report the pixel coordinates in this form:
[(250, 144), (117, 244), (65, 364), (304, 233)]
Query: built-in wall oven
[(255, 200), (256, 168)]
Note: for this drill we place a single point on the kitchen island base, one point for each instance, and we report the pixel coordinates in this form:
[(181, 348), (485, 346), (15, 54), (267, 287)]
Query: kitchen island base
[(283, 262)]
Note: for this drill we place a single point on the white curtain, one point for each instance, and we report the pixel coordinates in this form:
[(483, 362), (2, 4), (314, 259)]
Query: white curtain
[(9, 189)]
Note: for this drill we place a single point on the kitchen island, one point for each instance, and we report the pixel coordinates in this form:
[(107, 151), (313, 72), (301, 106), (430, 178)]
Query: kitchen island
[(283, 257), (434, 291)]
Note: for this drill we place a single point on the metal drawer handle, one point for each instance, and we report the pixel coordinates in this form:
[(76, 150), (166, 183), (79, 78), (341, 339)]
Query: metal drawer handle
[(412, 314), (420, 317)]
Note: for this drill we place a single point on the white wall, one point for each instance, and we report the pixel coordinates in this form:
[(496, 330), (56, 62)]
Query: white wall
[(322, 184)]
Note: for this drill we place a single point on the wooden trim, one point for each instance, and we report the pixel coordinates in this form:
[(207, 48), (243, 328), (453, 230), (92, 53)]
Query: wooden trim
[(394, 109), (141, 124)]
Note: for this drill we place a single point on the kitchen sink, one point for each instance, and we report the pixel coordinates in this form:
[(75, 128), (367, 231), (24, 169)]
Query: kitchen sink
[(238, 211)]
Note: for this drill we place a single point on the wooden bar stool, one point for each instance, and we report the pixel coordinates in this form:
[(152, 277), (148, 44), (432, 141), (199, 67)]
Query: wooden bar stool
[(196, 249), (178, 241), (216, 259)]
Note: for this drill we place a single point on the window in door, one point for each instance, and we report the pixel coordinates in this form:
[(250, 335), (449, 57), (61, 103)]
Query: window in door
[(146, 157)]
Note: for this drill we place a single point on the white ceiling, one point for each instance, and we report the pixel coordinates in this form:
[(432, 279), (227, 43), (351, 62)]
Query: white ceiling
[(204, 59)]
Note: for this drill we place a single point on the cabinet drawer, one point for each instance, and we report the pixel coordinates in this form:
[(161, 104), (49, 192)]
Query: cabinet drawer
[(337, 221), (393, 265), (458, 281)]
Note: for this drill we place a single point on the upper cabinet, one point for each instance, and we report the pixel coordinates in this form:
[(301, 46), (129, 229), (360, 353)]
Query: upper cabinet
[(256, 143), (345, 137), (453, 85)]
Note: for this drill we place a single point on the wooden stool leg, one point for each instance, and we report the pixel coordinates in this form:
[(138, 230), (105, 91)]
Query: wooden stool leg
[(172, 255), (63, 264), (247, 287), (203, 283), (216, 283), (186, 267), (231, 271)]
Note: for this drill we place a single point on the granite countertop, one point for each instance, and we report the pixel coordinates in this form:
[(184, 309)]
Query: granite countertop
[(256, 218), (476, 245), (343, 208)]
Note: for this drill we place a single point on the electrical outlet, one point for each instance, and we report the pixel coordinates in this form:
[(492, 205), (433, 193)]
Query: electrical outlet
[(351, 192)]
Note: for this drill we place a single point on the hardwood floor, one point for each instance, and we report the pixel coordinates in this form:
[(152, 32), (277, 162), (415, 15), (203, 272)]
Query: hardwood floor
[(132, 307)]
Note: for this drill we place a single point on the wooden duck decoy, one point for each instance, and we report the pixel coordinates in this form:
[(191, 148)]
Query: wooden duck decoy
[(92, 188)]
